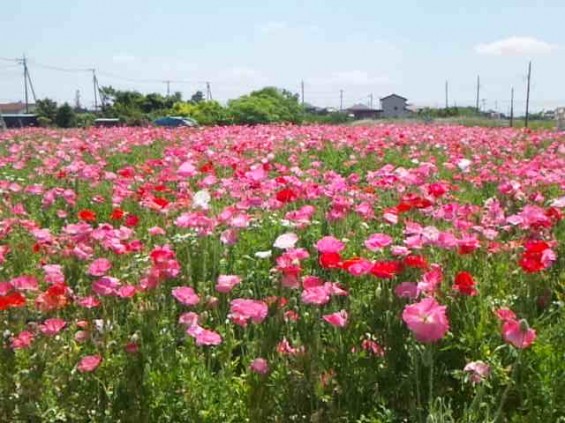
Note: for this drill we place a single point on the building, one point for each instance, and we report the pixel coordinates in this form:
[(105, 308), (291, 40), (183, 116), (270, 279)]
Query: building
[(560, 118), (17, 108), (362, 111), (394, 106)]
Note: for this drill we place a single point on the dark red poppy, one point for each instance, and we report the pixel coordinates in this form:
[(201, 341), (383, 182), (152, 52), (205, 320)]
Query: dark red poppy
[(131, 220)]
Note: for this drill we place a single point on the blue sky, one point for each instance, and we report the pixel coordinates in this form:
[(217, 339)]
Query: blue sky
[(410, 47)]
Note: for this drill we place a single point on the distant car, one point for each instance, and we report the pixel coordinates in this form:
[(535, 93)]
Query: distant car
[(175, 122)]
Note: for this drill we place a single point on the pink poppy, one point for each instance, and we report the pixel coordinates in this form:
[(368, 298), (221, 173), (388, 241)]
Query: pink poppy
[(22, 340), (185, 295), (337, 319), (51, 327), (99, 267), (329, 244), (427, 320), (227, 282), (377, 242), (259, 366), (89, 363), (407, 290), (518, 333), (204, 336), (242, 310)]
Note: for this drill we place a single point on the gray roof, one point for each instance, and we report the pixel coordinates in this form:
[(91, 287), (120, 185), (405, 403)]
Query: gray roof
[(394, 95), (360, 108)]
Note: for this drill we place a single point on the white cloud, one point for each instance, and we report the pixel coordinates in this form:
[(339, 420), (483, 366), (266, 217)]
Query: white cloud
[(515, 46)]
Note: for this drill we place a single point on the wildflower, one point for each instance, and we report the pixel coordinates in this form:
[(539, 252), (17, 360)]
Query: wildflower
[(286, 241), (478, 371), (337, 319), (99, 267), (259, 366), (427, 320), (51, 327), (465, 284), (87, 215), (227, 282), (329, 244), (185, 295), (518, 333), (243, 310), (377, 242), (89, 363)]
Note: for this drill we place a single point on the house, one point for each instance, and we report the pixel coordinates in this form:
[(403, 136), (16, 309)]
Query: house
[(362, 111), (17, 108), (394, 106)]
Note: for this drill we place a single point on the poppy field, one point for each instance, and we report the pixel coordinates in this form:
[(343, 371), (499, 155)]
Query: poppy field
[(282, 273)]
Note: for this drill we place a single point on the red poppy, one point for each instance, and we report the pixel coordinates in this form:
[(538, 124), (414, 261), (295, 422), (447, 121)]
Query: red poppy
[(131, 220), (87, 215), (386, 269), (330, 260), (286, 195), (117, 214), (12, 299), (465, 284), (417, 262), (161, 202), (207, 168)]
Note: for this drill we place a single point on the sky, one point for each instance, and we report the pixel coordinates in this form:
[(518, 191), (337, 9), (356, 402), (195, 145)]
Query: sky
[(363, 47)]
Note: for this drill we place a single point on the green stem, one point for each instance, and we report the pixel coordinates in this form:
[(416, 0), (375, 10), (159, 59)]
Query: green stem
[(507, 390)]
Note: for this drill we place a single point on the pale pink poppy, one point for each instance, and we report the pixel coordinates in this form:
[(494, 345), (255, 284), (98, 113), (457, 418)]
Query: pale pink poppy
[(518, 333), (478, 371), (286, 241)]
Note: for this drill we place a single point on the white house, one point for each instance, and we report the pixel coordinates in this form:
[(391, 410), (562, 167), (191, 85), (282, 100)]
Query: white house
[(394, 106)]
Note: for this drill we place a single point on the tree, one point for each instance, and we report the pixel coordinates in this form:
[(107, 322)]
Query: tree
[(197, 97), (65, 117), (268, 105), (204, 112), (46, 110)]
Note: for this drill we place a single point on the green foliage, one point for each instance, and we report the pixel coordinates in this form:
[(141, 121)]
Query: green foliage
[(46, 109), (84, 120), (204, 112), (268, 105), (65, 117), (331, 118)]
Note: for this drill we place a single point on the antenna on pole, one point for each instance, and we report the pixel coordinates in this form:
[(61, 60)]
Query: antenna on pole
[(208, 91), (478, 93), (340, 100), (302, 92), (371, 100), (528, 94), (168, 88), (446, 94)]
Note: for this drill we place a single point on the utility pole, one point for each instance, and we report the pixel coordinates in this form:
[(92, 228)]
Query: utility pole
[(446, 94), (168, 88), (512, 107), (302, 91), (95, 86), (25, 83), (340, 100), (77, 100), (208, 91), (528, 94), (371, 100), (27, 80), (478, 92)]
